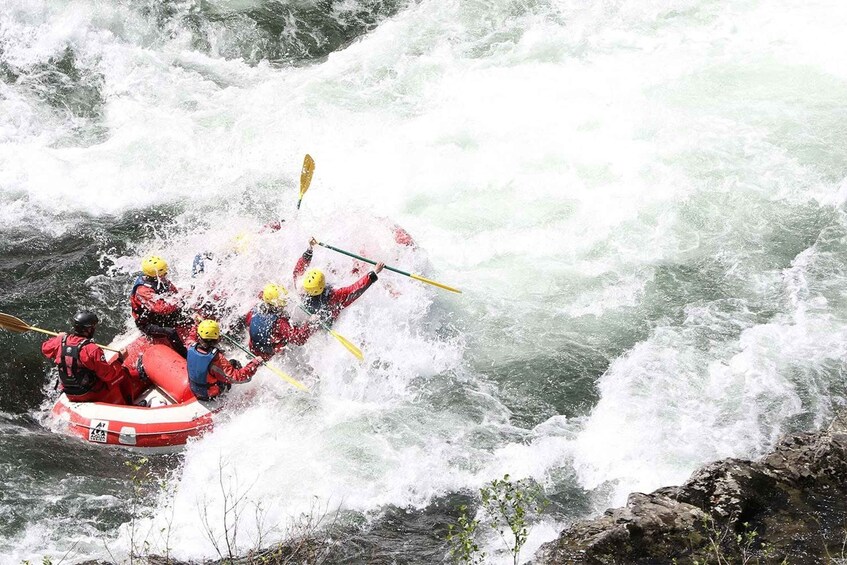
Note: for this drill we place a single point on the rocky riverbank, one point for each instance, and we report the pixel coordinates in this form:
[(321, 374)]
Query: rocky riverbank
[(790, 506)]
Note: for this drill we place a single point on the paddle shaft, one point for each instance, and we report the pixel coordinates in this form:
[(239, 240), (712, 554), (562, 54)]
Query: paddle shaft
[(291, 380), (238, 345), (27, 327), (360, 258), (404, 273), (323, 324), (341, 339)]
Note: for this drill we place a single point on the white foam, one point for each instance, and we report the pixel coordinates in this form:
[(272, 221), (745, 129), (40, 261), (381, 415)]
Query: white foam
[(554, 162)]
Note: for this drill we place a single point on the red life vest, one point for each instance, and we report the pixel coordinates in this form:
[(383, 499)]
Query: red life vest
[(76, 379)]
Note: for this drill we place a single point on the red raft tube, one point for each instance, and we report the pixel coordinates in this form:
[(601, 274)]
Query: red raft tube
[(164, 414)]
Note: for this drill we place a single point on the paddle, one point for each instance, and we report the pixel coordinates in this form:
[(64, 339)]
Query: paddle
[(410, 275), (18, 326), (341, 339), (306, 176), (279, 372)]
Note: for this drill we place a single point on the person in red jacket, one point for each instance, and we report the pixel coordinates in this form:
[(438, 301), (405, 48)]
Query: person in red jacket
[(270, 328), (209, 372), (156, 308), (321, 299), (84, 374)]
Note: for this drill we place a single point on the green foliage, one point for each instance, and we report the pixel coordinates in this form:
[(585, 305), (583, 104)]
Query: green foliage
[(463, 548), (726, 547), (140, 475), (508, 509)]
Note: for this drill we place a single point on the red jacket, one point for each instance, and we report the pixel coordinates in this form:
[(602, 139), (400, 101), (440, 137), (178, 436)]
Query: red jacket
[(221, 372), (146, 302), (333, 300), (281, 334), (91, 357)]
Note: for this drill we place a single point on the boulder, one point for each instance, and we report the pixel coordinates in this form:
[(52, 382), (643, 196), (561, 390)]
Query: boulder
[(789, 505)]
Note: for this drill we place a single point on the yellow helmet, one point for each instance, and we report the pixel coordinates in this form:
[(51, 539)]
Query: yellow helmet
[(154, 266), (314, 282), (241, 243), (209, 330), (274, 295)]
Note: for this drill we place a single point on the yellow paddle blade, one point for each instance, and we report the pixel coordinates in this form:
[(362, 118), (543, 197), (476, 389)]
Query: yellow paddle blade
[(433, 283), (287, 378), (16, 325), (12, 324), (306, 174), (350, 347)]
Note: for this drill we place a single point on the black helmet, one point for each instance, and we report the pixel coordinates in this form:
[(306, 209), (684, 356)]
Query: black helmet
[(84, 319)]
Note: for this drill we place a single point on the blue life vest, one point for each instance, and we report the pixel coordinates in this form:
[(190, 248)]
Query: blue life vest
[(157, 285), (198, 370), (262, 325), (320, 305), (198, 266), (141, 314), (140, 280)]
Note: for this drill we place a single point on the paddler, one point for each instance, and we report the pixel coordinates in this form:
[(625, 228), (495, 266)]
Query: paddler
[(269, 325), (156, 306), (321, 299), (209, 372), (84, 374)]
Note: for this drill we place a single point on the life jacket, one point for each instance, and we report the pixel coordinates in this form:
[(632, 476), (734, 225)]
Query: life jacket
[(262, 324), (320, 305), (76, 379), (143, 315), (198, 370)]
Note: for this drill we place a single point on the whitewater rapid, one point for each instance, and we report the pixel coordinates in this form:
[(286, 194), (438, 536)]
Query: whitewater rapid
[(642, 202)]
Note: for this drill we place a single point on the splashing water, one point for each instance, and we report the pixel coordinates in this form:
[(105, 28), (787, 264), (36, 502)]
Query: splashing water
[(642, 202)]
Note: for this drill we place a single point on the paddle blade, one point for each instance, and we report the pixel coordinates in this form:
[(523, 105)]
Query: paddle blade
[(287, 378), (433, 283), (306, 175), (350, 347), (12, 324)]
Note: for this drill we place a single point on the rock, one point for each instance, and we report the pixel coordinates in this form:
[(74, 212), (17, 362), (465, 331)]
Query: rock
[(791, 504), (649, 525)]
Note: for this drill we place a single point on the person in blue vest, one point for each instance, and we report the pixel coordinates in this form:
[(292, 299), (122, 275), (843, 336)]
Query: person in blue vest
[(269, 326), (323, 300), (209, 372), (156, 306)]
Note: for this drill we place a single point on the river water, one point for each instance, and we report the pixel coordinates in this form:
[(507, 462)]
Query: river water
[(643, 203)]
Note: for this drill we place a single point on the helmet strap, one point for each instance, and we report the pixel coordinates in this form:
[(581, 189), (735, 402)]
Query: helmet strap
[(208, 343), (84, 331)]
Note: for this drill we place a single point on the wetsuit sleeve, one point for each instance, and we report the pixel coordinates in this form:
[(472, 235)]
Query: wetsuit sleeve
[(154, 303), (344, 297), (92, 357), (50, 348), (272, 226), (303, 263), (296, 335), (223, 371)]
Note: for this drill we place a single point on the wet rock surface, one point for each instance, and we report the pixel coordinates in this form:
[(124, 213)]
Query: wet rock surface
[(789, 506)]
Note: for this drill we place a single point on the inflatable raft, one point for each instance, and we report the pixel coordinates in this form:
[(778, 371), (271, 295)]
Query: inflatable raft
[(164, 413)]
